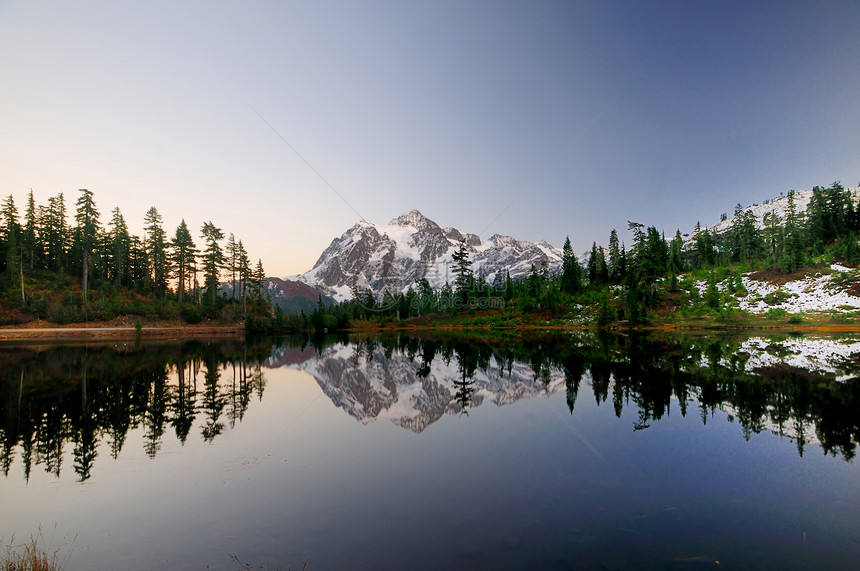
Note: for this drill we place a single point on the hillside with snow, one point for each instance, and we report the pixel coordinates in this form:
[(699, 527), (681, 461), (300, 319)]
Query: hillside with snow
[(778, 206)]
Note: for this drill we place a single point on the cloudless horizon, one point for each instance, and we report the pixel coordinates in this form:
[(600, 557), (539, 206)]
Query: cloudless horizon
[(534, 120)]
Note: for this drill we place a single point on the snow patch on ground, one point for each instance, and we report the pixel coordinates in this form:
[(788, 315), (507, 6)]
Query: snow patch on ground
[(813, 293)]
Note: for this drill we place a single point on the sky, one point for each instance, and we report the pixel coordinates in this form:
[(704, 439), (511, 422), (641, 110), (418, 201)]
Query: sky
[(285, 123)]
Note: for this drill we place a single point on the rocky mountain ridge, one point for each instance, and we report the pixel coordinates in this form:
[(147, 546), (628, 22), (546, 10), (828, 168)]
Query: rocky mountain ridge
[(410, 247)]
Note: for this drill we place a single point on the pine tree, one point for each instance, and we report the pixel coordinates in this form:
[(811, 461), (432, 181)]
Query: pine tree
[(29, 240), (243, 267), (138, 264), (592, 264), (232, 261), (676, 254), (213, 258), (183, 256), (773, 236), (462, 272), (120, 249), (54, 232), (87, 218), (614, 258), (155, 245), (571, 273), (259, 279), (794, 243)]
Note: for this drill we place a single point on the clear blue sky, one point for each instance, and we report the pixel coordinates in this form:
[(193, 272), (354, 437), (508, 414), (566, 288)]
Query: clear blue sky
[(582, 115)]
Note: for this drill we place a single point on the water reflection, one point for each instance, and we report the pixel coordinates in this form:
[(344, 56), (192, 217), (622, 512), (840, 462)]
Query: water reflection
[(804, 389), (82, 396)]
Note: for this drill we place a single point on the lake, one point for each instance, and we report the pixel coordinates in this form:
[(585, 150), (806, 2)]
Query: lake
[(571, 450)]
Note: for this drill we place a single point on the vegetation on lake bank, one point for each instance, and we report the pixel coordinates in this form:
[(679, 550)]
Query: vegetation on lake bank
[(61, 273)]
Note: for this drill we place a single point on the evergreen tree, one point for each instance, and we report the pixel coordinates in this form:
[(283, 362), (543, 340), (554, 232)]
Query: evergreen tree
[(773, 237), (155, 245), (571, 273), (463, 279), (614, 258), (259, 278), (232, 260), (243, 267), (593, 266), (509, 286), (29, 240), (9, 231), (794, 254), (676, 254), (9, 215), (87, 218), (183, 256), (744, 237), (54, 232), (138, 264), (213, 258), (120, 249)]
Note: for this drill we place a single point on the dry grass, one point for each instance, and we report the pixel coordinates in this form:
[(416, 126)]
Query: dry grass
[(32, 555)]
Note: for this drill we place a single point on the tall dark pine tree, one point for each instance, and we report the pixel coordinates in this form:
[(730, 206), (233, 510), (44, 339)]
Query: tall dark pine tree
[(54, 232), (795, 246), (29, 241), (614, 258), (10, 230), (258, 279), (87, 218), (213, 258), (243, 266), (183, 255), (571, 273), (598, 271), (676, 253), (155, 244), (120, 249), (462, 272), (232, 261)]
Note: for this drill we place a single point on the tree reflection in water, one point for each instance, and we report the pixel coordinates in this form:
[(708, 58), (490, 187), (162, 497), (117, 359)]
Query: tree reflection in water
[(83, 395)]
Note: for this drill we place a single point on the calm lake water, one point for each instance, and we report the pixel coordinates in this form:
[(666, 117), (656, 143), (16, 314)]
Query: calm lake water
[(565, 451)]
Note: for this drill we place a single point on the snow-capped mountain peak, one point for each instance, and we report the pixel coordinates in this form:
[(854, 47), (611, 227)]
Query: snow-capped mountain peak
[(410, 247)]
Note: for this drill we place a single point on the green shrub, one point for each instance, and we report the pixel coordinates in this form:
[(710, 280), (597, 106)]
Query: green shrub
[(778, 297), (776, 313), (192, 315)]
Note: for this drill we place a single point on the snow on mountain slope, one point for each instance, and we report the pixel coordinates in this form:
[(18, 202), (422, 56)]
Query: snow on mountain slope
[(394, 255), (778, 206)]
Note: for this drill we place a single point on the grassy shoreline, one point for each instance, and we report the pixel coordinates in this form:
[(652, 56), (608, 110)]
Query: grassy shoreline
[(160, 329), (118, 329)]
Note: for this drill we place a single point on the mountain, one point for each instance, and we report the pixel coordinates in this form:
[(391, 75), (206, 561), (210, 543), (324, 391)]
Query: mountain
[(393, 256), (293, 296)]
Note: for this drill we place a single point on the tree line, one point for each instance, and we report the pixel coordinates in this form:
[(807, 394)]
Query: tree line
[(45, 244)]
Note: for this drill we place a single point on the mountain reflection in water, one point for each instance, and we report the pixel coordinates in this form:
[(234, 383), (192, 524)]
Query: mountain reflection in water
[(800, 388), (78, 396)]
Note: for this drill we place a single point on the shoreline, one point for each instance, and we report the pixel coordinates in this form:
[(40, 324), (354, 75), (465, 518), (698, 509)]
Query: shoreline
[(84, 332), (78, 332)]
